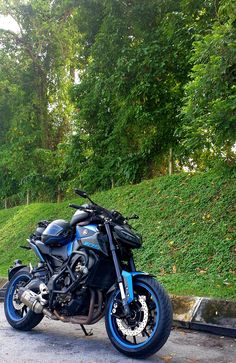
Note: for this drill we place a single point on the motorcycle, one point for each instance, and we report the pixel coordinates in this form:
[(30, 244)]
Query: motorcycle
[(86, 271)]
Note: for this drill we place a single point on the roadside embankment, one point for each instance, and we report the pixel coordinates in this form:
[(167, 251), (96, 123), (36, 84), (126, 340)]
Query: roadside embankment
[(187, 223)]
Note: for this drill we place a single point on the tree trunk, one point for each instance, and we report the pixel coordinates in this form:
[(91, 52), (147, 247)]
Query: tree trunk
[(59, 195), (112, 183), (72, 74), (43, 110), (28, 198), (5, 203), (171, 162)]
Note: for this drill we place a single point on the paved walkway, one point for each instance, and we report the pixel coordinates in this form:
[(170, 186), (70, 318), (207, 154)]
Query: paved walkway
[(59, 342)]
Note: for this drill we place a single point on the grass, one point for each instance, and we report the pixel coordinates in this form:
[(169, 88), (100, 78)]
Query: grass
[(187, 223)]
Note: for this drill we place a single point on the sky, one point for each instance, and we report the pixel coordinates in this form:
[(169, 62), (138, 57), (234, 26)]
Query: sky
[(6, 22)]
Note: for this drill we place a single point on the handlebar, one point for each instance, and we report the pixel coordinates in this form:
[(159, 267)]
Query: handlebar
[(75, 206), (93, 208), (112, 215)]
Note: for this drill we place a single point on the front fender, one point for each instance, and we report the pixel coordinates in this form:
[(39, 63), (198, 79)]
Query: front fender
[(128, 282)]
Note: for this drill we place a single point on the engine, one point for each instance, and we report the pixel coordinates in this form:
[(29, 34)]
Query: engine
[(71, 296), (75, 292)]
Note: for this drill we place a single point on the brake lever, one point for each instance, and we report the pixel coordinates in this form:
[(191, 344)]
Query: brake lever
[(26, 247)]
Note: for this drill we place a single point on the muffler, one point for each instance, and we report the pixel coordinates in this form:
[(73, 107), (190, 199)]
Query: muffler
[(32, 300)]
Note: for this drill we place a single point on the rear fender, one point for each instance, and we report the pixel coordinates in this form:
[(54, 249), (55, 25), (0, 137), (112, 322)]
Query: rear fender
[(15, 268)]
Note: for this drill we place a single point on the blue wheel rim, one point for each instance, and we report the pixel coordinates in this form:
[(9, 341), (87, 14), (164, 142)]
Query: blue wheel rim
[(12, 312), (114, 329)]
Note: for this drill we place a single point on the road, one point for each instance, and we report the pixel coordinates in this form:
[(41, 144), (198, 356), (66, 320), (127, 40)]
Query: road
[(53, 341)]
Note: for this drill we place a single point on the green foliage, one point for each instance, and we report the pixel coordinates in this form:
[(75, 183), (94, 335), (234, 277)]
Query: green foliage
[(209, 127), (96, 93), (136, 63), (36, 72), (187, 223), (131, 89)]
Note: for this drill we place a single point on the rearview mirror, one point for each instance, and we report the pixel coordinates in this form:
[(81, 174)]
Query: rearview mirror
[(81, 193)]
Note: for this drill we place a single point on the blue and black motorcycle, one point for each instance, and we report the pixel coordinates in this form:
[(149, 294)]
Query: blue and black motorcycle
[(86, 271)]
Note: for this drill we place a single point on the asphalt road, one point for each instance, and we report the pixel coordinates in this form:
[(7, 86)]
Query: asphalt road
[(58, 342)]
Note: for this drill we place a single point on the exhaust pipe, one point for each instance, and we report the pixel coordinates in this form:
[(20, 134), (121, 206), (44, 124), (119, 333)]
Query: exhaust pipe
[(30, 299)]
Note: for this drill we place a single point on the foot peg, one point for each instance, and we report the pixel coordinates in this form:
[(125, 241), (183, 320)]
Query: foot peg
[(87, 333)]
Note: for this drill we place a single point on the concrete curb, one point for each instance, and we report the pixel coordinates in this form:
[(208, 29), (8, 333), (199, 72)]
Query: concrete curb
[(3, 287), (206, 314), (197, 313), (3, 281)]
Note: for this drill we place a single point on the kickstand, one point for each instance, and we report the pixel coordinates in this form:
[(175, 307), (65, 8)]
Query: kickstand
[(87, 333)]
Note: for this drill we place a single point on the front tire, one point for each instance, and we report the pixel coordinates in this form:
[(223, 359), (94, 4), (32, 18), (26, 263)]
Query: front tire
[(157, 325), (18, 315)]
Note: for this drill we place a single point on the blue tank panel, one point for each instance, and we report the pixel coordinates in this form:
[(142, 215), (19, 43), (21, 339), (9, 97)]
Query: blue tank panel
[(88, 235)]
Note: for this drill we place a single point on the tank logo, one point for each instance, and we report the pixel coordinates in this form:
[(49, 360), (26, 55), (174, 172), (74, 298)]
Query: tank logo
[(85, 232)]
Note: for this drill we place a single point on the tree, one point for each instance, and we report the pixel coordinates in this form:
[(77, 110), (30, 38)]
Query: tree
[(209, 123), (36, 110), (155, 82), (135, 66)]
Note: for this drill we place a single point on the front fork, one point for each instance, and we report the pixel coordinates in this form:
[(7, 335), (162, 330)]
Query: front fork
[(124, 278)]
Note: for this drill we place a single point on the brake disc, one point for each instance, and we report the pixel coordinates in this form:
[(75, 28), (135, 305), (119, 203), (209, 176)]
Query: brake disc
[(126, 329), (18, 305)]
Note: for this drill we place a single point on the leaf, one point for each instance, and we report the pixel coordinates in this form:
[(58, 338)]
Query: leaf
[(166, 358), (201, 271)]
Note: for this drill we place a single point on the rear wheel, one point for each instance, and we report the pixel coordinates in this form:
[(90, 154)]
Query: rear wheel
[(18, 315), (148, 327)]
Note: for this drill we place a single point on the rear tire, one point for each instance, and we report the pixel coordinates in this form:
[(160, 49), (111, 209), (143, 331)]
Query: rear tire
[(163, 321), (19, 318)]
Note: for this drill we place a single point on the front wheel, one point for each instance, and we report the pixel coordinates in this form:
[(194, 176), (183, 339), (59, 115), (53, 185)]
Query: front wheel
[(149, 325), (18, 315)]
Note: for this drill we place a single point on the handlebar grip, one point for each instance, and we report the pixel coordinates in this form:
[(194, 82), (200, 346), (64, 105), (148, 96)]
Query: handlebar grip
[(74, 206)]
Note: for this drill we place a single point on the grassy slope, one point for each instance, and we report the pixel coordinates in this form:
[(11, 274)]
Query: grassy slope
[(187, 223)]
